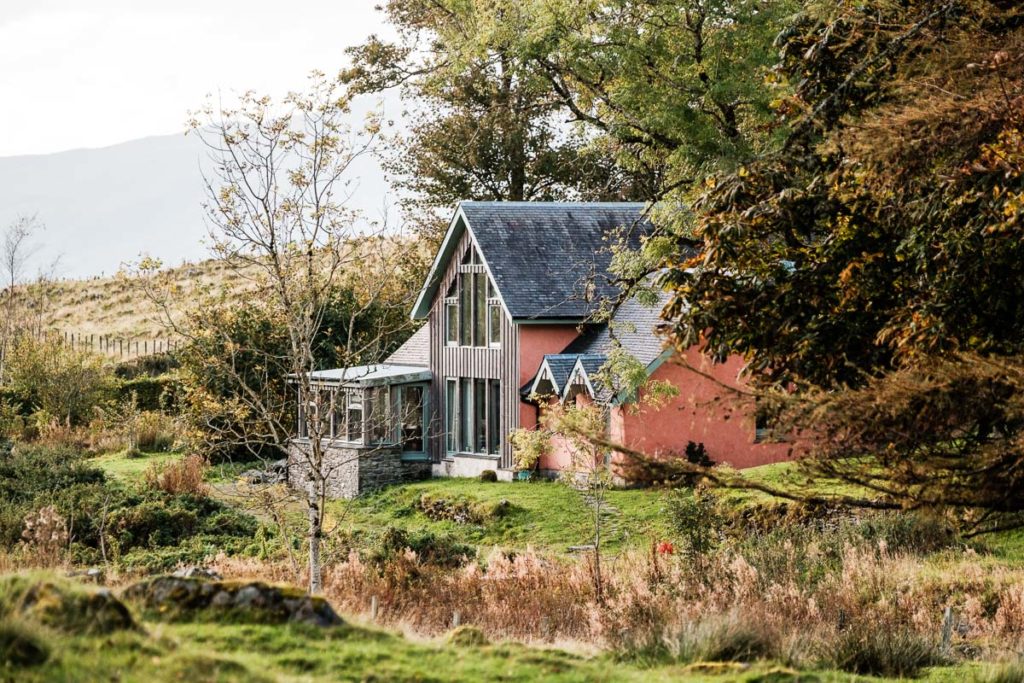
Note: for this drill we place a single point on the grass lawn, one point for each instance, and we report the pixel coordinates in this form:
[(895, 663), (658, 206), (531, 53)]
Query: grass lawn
[(545, 515), (118, 466), (201, 652)]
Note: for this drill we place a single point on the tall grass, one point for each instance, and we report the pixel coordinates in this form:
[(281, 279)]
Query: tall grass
[(835, 599)]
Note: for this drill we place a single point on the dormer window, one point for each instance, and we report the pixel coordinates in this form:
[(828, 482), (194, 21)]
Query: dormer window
[(471, 306)]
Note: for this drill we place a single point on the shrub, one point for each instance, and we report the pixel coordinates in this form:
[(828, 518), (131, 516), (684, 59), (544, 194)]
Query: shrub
[(489, 476), (151, 393), (460, 509), (728, 637), (430, 549), (185, 476), (22, 644), (878, 649), (694, 517)]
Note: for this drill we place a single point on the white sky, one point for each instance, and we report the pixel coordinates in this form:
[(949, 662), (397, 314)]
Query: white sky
[(91, 73)]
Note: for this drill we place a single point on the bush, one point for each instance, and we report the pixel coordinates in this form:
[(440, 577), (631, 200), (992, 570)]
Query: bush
[(151, 393), (430, 549), (879, 650), (727, 637), (460, 509), (21, 644), (489, 476), (185, 476)]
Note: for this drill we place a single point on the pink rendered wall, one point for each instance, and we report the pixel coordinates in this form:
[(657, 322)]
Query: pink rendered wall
[(534, 342), (704, 412)]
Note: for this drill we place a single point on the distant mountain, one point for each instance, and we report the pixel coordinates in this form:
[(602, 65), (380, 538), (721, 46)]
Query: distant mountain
[(103, 207)]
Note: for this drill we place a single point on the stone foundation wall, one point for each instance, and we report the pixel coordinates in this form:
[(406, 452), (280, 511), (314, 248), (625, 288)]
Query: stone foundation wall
[(352, 471)]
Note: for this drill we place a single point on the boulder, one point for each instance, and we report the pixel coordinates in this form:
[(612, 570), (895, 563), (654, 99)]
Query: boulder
[(74, 610), (197, 573), (189, 598)]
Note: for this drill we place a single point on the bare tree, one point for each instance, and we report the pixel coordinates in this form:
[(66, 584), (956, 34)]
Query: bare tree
[(279, 224), (17, 248)]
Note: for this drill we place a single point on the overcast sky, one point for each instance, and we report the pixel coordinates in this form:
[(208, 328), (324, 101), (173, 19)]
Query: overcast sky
[(77, 73)]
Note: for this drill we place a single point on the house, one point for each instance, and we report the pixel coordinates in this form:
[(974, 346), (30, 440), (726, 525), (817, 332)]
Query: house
[(507, 310)]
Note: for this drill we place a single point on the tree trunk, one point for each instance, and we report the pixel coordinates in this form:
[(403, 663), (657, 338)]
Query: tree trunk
[(315, 535)]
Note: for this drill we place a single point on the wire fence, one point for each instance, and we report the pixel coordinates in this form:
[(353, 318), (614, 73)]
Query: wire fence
[(114, 346)]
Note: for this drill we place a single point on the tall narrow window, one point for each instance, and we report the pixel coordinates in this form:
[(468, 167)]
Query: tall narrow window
[(494, 417), (466, 309), (480, 416), (480, 309), (451, 314), (377, 417), (354, 416), (466, 399), (493, 317), (409, 404), (451, 413)]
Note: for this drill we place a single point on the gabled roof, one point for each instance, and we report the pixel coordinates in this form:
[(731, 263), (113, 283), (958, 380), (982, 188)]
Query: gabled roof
[(548, 260), (415, 351), (633, 325)]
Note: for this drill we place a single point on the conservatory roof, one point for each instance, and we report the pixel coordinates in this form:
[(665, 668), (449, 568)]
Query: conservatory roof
[(371, 375)]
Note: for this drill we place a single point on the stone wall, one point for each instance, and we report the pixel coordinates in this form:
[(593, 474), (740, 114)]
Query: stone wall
[(355, 470)]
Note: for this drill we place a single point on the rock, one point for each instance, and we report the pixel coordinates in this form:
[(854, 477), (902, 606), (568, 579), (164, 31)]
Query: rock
[(197, 573), (75, 611), (467, 636), (188, 598), (93, 574)]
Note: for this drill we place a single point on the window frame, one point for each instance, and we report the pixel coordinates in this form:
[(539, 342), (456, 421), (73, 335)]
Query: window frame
[(474, 435)]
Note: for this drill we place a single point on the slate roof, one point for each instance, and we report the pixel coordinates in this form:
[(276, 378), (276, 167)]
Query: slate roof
[(549, 260), (415, 351), (633, 325), (560, 365)]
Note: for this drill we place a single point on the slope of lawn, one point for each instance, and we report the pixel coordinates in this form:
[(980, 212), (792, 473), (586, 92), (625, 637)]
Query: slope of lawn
[(544, 515)]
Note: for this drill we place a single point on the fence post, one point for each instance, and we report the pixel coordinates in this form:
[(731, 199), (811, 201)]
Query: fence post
[(456, 619), (373, 608), (947, 629)]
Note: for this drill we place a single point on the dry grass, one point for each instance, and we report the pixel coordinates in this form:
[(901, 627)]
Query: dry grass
[(871, 610), (117, 306), (185, 476)]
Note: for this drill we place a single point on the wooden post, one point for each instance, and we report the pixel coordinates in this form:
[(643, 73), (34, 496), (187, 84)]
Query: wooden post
[(373, 608), (947, 630), (456, 619)]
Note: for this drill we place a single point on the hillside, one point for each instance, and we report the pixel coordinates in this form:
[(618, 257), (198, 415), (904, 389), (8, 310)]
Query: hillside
[(107, 206), (117, 305)]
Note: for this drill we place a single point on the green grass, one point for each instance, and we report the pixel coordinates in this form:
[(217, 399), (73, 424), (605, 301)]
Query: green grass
[(544, 515), (201, 652), (238, 652), (119, 466)]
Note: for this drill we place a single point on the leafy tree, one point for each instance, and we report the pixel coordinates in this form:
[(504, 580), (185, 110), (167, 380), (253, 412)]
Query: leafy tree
[(63, 383), (485, 124), (873, 259), (886, 227)]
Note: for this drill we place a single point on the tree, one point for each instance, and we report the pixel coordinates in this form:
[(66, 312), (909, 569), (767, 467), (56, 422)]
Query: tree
[(886, 227), (679, 86), (485, 125), (279, 224), (871, 262), (16, 250), (62, 383), (588, 472)]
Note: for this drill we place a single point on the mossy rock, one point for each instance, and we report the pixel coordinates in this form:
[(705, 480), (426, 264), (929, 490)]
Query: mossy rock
[(715, 668), (21, 645), (467, 636), (188, 599), (781, 674), (64, 606)]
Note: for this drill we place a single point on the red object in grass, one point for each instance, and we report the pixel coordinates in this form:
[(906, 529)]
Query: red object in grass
[(666, 548)]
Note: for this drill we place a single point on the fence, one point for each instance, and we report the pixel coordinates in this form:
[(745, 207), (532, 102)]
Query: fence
[(115, 346)]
